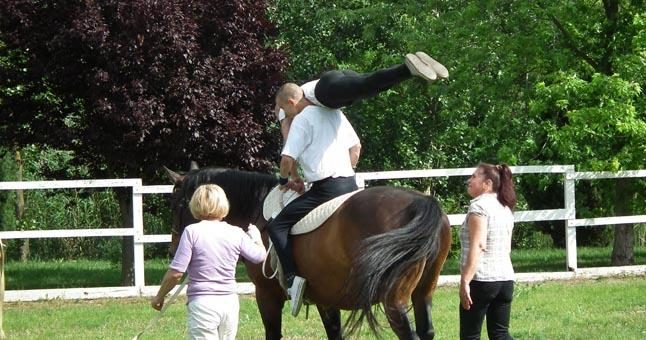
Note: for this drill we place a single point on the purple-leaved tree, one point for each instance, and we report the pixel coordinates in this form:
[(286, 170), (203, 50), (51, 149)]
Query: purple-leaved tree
[(133, 85)]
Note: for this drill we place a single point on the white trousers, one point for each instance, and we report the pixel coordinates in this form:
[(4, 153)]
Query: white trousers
[(213, 317)]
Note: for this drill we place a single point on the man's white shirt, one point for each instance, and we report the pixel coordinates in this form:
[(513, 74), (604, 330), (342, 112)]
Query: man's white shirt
[(320, 139)]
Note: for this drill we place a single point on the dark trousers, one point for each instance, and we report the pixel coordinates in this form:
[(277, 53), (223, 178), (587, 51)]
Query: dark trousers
[(490, 299), (337, 89), (278, 228)]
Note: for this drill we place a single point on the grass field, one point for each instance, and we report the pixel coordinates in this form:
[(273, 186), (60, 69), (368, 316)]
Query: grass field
[(84, 273), (596, 309)]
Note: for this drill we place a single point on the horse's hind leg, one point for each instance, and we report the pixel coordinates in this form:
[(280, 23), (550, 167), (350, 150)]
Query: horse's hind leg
[(331, 318), (423, 320), (423, 303), (396, 303), (400, 323), (422, 295)]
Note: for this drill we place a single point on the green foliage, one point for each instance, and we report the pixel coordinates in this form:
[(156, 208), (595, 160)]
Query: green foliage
[(71, 209), (7, 210), (526, 236), (603, 130)]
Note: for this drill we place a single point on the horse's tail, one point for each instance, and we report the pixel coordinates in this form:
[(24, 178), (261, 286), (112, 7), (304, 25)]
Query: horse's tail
[(384, 259)]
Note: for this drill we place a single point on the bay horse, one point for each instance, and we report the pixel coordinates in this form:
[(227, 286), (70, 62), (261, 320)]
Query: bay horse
[(383, 245)]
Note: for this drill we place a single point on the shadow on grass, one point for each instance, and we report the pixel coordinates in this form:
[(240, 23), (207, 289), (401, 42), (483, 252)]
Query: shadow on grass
[(87, 274), (83, 274)]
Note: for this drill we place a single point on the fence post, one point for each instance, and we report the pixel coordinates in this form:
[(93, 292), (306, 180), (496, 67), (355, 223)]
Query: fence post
[(570, 206), (361, 182), (138, 225)]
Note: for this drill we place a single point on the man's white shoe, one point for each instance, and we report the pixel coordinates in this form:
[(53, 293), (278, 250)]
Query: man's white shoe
[(295, 293), (441, 71), (419, 68)]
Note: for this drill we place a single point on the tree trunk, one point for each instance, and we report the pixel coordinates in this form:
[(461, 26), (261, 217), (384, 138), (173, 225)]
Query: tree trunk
[(622, 250), (20, 207), (127, 242)]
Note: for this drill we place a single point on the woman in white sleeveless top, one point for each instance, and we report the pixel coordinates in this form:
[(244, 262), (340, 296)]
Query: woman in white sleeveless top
[(486, 273)]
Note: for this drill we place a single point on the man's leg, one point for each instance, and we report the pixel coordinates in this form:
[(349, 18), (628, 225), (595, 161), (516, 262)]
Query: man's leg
[(337, 89), (278, 230)]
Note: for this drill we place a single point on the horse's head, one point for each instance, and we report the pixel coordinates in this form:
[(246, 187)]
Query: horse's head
[(245, 192), (181, 214)]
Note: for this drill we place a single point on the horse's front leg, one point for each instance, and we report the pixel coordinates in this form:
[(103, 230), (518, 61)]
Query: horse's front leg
[(270, 299), (331, 318), (270, 305)]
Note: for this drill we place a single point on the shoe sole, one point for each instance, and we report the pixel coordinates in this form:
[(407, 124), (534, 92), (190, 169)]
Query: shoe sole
[(418, 68), (296, 308), (441, 71)]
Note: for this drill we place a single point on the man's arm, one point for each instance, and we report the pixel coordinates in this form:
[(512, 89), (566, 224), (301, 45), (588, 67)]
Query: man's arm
[(286, 165), (288, 170), (284, 127), (355, 152)]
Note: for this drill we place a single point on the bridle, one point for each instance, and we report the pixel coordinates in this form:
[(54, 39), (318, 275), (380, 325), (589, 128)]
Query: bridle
[(180, 212)]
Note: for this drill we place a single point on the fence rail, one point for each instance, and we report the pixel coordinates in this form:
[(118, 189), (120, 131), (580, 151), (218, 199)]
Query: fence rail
[(566, 213)]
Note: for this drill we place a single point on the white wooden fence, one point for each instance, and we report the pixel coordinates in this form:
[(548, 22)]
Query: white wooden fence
[(566, 213)]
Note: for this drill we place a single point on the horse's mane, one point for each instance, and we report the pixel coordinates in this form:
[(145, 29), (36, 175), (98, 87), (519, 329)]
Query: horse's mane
[(244, 189)]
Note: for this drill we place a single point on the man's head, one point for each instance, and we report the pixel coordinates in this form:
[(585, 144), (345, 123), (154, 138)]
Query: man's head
[(289, 98)]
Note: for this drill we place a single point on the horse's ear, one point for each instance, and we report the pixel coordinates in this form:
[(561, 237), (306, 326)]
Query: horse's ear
[(194, 165), (174, 177)]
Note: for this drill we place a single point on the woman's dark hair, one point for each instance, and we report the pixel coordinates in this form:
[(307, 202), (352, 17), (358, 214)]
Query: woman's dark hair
[(503, 185)]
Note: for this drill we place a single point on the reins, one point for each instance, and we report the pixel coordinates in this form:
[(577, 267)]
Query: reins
[(161, 312)]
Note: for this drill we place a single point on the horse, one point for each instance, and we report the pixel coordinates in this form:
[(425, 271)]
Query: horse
[(382, 245)]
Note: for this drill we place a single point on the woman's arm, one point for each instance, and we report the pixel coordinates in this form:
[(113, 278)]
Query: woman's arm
[(170, 280), (477, 229)]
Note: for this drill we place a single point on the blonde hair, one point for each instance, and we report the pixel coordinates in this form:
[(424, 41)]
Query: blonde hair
[(209, 202), (289, 91)]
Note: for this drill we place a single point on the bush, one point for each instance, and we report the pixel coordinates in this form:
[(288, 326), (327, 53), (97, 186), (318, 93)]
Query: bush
[(525, 236), (70, 209)]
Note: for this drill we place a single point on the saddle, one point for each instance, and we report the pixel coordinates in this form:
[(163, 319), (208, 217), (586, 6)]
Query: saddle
[(275, 201)]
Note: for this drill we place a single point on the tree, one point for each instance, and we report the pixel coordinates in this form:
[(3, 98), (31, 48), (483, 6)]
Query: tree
[(601, 113), (130, 86), (512, 64)]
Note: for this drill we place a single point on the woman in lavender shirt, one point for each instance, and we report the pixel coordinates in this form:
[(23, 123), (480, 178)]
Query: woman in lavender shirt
[(208, 252)]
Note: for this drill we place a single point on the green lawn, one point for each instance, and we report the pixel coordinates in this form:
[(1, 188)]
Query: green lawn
[(84, 273), (595, 309)]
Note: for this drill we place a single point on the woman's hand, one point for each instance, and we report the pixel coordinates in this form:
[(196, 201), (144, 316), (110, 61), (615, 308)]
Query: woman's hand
[(465, 296), (157, 303), (254, 234)]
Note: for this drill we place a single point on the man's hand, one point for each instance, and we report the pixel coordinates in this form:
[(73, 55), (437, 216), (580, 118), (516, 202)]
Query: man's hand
[(297, 185)]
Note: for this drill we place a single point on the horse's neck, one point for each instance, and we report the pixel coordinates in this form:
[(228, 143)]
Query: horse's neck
[(253, 212)]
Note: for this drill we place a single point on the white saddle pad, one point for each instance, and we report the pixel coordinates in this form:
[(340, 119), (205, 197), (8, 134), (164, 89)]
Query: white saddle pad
[(276, 200)]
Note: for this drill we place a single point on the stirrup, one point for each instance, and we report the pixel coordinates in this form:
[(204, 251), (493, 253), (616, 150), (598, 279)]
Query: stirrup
[(295, 293)]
